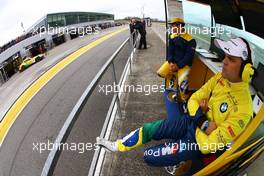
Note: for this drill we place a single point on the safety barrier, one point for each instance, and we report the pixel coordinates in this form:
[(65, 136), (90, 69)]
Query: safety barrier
[(54, 154)]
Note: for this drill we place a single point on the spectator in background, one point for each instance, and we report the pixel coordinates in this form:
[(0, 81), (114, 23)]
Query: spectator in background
[(40, 49), (45, 46), (141, 29), (131, 25), (143, 23), (132, 29)]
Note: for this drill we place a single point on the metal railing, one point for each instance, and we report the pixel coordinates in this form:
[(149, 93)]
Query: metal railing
[(134, 38), (54, 154)]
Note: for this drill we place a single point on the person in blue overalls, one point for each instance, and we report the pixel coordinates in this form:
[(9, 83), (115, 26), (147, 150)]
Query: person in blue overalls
[(181, 51)]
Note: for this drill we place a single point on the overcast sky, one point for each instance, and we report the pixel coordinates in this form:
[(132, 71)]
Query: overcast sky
[(13, 12)]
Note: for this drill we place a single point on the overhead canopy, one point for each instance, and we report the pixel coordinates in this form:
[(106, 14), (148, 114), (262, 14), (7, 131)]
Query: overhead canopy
[(228, 12), (253, 13)]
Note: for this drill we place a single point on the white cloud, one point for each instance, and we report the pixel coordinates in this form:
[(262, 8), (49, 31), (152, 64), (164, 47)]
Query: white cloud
[(13, 12)]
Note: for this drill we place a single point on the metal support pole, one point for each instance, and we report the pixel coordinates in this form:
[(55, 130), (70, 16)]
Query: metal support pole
[(131, 55), (166, 18), (119, 106), (114, 73), (130, 65), (116, 92), (131, 42)]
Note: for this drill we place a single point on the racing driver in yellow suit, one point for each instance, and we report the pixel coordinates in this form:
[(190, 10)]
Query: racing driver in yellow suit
[(217, 114)]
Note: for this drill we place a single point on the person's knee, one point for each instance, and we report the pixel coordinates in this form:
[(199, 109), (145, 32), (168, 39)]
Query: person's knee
[(150, 157), (149, 160)]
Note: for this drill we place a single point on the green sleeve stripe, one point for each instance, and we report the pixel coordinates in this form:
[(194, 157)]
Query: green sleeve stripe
[(149, 129)]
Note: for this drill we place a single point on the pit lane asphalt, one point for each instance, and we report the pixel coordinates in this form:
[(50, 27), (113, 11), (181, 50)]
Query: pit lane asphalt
[(45, 114)]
